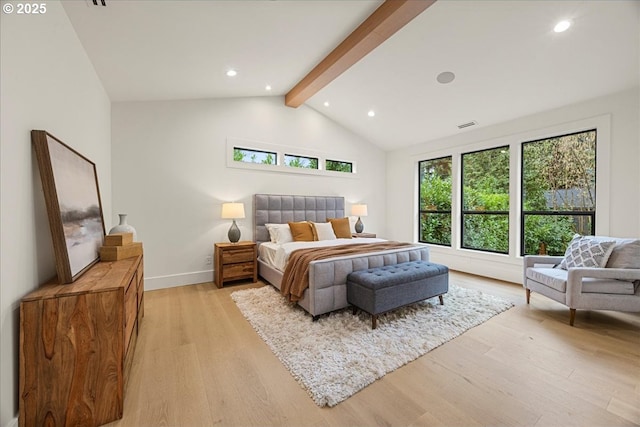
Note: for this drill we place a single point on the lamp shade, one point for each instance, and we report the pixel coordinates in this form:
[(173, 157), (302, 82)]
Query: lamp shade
[(359, 210), (232, 210)]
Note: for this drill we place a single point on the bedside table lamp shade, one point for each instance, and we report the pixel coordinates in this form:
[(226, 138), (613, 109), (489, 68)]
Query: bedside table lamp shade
[(359, 210), (233, 211)]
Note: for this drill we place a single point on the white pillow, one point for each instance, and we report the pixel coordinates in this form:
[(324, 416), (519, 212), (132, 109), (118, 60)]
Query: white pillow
[(584, 251), (279, 233), (323, 231)]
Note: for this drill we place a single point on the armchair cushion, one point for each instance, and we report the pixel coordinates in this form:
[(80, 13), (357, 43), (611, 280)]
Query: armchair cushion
[(584, 251), (552, 277), (556, 278)]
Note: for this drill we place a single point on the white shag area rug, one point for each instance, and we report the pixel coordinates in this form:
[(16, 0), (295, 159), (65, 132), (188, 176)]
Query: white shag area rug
[(340, 354)]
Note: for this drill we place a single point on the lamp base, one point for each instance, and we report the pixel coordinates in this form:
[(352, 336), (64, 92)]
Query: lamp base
[(359, 226), (234, 233)]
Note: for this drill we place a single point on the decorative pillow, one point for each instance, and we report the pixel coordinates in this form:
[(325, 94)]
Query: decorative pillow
[(586, 252), (341, 227), (279, 233), (323, 231), (301, 231), (626, 254)]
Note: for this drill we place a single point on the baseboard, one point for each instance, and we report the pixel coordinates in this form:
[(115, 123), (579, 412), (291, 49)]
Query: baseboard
[(174, 280), (12, 422)]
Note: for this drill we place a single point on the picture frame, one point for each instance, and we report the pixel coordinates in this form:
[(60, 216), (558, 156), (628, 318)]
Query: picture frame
[(74, 208)]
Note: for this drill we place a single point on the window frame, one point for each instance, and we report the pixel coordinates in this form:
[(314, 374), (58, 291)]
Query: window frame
[(590, 214), (436, 211), (279, 166), (299, 156), (464, 211), (326, 161), (254, 150)]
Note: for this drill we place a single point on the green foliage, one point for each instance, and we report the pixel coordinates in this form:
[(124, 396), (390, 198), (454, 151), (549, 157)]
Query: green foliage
[(252, 156), (486, 232), (335, 165), (554, 231), (435, 228), (485, 175), (301, 162), (269, 160)]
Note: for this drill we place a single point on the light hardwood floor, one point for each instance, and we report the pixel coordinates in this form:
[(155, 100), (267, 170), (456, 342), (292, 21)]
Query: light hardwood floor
[(198, 362)]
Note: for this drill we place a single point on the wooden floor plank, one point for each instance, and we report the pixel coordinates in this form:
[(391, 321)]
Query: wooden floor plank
[(198, 362)]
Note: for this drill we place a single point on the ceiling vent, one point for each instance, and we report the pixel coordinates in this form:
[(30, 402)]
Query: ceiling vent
[(468, 124), (102, 3)]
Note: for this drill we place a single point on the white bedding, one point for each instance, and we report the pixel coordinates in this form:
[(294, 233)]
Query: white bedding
[(277, 255)]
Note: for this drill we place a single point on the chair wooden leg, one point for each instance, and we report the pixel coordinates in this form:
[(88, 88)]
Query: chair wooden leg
[(572, 316), (528, 291)]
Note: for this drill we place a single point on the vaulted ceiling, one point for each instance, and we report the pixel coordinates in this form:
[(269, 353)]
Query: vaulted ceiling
[(507, 60)]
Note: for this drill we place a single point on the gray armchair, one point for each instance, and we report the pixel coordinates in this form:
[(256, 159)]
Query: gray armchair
[(615, 287)]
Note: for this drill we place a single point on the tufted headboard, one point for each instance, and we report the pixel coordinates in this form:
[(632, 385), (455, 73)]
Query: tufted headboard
[(280, 209)]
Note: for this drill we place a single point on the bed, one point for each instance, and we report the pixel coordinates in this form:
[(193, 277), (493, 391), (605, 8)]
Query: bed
[(327, 289)]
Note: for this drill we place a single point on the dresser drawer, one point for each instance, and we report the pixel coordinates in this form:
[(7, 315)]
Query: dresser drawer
[(237, 255), (130, 310)]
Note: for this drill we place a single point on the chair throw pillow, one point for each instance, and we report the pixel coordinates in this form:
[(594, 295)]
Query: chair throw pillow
[(586, 252)]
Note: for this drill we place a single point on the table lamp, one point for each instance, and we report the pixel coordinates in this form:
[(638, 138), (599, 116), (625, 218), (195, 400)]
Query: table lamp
[(233, 211), (359, 210)]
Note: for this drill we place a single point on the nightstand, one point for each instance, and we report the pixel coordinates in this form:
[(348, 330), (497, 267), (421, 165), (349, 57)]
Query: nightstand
[(370, 235), (235, 261)]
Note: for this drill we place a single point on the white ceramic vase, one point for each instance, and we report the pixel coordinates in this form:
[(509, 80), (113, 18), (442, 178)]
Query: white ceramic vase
[(123, 227)]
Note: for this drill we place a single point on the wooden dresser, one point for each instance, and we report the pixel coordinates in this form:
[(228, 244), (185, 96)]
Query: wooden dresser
[(77, 343), (235, 261)]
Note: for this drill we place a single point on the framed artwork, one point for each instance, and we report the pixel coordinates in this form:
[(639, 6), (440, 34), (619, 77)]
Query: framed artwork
[(72, 196)]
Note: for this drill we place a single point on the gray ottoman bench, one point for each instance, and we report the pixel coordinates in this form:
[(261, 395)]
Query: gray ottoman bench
[(382, 289)]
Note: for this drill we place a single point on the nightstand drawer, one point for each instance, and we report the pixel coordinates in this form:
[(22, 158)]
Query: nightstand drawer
[(237, 255), (244, 269)]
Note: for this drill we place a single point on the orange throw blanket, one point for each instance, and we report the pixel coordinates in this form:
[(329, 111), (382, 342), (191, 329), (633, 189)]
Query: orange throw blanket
[(296, 275)]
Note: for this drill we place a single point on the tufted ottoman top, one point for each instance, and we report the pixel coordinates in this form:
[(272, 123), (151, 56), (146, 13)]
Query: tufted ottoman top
[(391, 275)]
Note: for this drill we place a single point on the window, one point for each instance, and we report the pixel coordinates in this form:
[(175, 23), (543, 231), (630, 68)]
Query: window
[(300, 161), (247, 155), (558, 191), (435, 201), (485, 200), (337, 165)]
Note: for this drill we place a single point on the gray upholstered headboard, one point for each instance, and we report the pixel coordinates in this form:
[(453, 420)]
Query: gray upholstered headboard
[(280, 209)]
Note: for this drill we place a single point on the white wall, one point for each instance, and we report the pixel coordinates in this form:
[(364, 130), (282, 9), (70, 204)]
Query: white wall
[(170, 174), (618, 175), (47, 82)]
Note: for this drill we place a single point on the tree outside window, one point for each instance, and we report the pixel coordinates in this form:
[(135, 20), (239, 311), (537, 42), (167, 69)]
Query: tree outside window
[(558, 191), (339, 166), (247, 155), (435, 201), (300, 161)]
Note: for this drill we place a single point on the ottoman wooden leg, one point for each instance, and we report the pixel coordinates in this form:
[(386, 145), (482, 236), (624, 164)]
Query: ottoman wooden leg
[(441, 299), (374, 321), (355, 310)]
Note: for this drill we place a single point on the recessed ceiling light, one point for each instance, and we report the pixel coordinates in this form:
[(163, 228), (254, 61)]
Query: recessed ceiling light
[(371, 113), (267, 87), (232, 73), (445, 77), (562, 26), (326, 103)]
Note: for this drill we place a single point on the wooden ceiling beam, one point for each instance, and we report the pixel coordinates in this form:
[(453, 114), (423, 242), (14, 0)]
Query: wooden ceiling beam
[(379, 26)]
